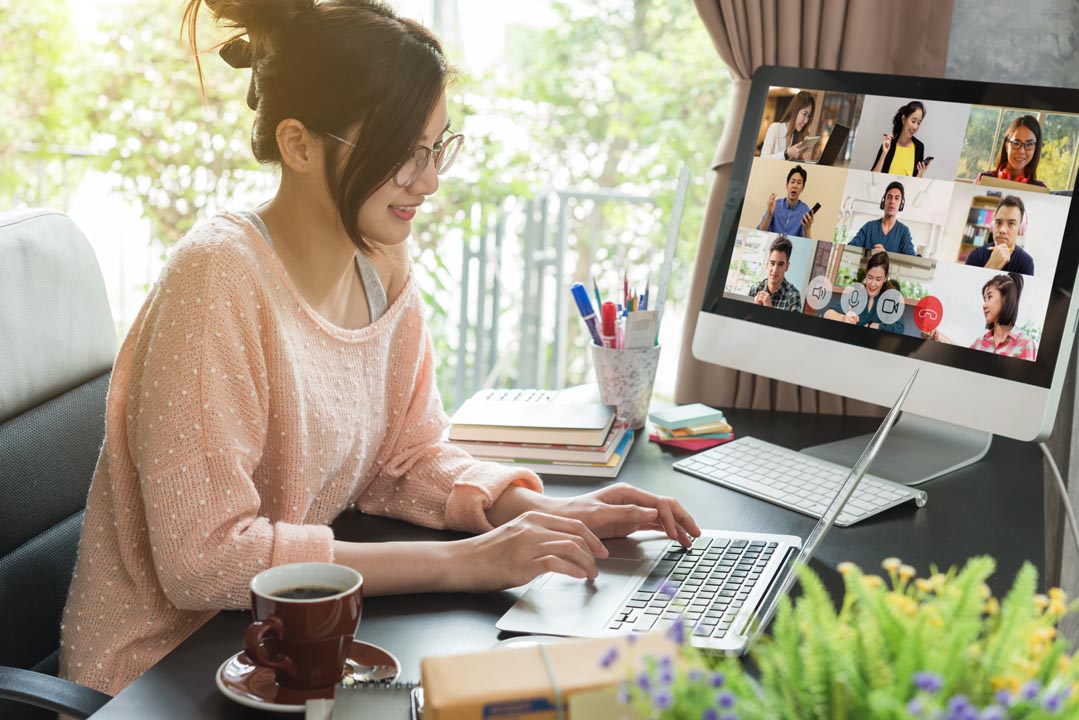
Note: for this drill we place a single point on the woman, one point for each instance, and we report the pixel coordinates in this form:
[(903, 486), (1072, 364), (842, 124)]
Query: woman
[(875, 281), (1019, 153), (785, 140), (901, 153), (280, 370), (1000, 306)]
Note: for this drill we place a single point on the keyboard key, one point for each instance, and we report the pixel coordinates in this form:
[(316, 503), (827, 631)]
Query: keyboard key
[(644, 623)]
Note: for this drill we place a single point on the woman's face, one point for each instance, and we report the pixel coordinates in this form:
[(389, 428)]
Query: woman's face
[(874, 280), (802, 118), (991, 302), (386, 216), (913, 122), (1021, 152)]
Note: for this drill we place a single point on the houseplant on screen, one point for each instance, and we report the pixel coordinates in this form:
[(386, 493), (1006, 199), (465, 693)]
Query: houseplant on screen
[(899, 647)]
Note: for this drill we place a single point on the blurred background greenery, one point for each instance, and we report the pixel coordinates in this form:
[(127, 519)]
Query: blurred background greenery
[(104, 119)]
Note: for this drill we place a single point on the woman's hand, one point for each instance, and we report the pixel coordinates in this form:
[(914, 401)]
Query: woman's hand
[(618, 510), (527, 546), (851, 317), (886, 144), (797, 151)]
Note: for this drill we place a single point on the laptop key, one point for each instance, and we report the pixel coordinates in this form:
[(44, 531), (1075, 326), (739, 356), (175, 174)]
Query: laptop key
[(644, 623), (615, 626), (657, 576)]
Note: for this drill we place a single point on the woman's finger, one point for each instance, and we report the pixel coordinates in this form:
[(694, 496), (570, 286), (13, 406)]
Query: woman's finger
[(570, 527), (571, 552), (553, 563)]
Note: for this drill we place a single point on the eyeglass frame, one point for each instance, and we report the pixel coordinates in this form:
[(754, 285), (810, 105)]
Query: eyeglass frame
[(435, 152), (1028, 145)]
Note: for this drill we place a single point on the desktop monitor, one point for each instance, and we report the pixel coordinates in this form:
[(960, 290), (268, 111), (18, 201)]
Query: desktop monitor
[(939, 242)]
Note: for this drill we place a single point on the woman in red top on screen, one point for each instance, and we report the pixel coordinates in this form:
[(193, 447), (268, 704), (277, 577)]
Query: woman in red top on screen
[(1019, 154), (1000, 305)]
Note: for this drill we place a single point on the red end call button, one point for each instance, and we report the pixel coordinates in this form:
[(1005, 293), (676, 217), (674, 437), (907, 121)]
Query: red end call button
[(928, 313)]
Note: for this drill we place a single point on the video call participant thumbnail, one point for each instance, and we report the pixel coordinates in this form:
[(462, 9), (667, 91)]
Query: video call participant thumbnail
[(785, 140), (1019, 153), (1000, 306), (887, 234), (789, 216), (1001, 253), (776, 291), (875, 281), (901, 153)]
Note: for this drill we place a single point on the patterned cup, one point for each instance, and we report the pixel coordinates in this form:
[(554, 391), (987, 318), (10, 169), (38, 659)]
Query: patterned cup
[(625, 379)]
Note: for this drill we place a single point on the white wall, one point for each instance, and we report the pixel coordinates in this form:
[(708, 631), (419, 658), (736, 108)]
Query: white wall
[(925, 211), (941, 132)]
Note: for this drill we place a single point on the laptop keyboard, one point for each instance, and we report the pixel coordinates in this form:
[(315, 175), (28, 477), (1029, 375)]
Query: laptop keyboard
[(711, 582), (794, 480)]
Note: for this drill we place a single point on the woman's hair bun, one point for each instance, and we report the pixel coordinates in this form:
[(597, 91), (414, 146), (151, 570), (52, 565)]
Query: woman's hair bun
[(260, 19)]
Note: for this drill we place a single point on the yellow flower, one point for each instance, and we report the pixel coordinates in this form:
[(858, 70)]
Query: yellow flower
[(1058, 594), (1057, 607), (891, 564), (923, 585), (1041, 602), (846, 568), (984, 592), (903, 604), (906, 572), (938, 580), (992, 606), (873, 582), (932, 616)]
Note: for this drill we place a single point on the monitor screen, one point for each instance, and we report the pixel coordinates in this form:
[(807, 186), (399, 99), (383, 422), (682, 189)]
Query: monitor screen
[(917, 217)]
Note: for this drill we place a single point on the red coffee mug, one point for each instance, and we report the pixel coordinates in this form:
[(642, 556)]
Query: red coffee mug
[(306, 615)]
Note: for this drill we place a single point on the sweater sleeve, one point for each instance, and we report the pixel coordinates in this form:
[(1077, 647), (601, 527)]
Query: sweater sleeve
[(196, 430), (423, 480)]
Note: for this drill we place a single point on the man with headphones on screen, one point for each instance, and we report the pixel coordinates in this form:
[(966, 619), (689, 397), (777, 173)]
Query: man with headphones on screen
[(887, 234), (1001, 252)]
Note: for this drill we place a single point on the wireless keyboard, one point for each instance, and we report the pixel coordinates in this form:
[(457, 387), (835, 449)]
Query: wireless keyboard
[(794, 480)]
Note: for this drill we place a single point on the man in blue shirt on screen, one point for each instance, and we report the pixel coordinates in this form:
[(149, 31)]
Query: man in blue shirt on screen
[(887, 234), (790, 216)]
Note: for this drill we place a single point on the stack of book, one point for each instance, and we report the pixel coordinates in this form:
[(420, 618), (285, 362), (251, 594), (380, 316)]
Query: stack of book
[(690, 427), (532, 429)]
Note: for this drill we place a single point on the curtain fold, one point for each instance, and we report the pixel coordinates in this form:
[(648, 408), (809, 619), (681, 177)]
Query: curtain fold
[(908, 38)]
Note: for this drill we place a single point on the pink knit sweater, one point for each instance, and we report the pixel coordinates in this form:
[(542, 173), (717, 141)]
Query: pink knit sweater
[(239, 424)]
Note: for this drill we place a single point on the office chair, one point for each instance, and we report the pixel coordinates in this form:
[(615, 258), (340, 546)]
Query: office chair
[(57, 346)]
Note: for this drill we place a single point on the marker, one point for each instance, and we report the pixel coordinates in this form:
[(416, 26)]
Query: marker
[(595, 289), (608, 313), (584, 306), (644, 298)]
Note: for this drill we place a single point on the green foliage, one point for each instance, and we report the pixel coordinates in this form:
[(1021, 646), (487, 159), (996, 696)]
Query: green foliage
[(903, 648)]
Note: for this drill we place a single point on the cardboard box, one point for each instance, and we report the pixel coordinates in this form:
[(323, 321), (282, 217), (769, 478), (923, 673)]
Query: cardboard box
[(514, 684)]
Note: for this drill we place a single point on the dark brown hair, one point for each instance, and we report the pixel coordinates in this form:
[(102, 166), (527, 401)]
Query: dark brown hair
[(1015, 202), (783, 245), (879, 260), (1030, 123), (1010, 287), (333, 65), (902, 114), (798, 170), (790, 116)]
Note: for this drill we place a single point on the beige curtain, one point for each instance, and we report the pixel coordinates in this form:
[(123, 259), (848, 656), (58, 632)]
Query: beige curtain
[(909, 38)]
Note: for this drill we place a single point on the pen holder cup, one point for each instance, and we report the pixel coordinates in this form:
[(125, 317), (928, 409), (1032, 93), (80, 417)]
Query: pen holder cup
[(625, 379)]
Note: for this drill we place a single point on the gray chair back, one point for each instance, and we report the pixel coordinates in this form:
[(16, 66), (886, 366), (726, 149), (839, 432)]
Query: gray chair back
[(57, 346)]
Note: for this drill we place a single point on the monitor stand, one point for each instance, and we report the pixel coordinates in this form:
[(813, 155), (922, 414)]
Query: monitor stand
[(917, 449)]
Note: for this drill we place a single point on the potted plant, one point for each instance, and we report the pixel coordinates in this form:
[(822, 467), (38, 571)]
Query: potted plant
[(902, 647)]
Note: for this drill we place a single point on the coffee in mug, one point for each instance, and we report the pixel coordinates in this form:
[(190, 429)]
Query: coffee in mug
[(305, 616)]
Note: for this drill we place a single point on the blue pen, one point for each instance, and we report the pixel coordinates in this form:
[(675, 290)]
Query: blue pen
[(584, 306)]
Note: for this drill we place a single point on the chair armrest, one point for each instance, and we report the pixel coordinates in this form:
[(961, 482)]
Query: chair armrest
[(51, 693)]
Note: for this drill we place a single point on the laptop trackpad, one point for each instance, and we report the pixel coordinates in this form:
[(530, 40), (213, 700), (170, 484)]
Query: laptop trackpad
[(562, 605)]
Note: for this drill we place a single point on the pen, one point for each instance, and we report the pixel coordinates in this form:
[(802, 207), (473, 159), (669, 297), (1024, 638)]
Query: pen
[(644, 299), (595, 289), (625, 289), (584, 306), (607, 310)]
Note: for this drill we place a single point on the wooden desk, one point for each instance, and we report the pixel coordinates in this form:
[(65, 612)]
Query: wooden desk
[(993, 507)]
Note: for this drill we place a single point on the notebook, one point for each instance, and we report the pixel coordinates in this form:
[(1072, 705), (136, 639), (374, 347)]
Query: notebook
[(727, 587), (530, 416)]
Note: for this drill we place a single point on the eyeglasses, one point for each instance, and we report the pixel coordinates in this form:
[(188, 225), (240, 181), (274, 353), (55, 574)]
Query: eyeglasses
[(1028, 145), (406, 173)]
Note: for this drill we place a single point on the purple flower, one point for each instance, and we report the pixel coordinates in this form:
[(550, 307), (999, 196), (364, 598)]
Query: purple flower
[(725, 700), (677, 631), (729, 716), (1004, 697), (914, 707), (959, 708), (665, 661), (928, 681), (643, 681), (662, 699), (710, 714), (718, 679), (695, 675), (1030, 690), (993, 712), (631, 637), (608, 657), (666, 676), (1053, 702), (666, 588)]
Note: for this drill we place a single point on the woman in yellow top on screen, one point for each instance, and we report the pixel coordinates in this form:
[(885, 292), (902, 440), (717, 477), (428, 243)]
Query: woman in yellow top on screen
[(901, 153), (785, 140), (1019, 153)]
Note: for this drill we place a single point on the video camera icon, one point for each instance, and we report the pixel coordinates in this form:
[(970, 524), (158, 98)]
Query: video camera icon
[(890, 306)]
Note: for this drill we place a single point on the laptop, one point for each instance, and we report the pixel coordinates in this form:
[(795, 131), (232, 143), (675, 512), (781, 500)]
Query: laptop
[(726, 588), (835, 143)]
